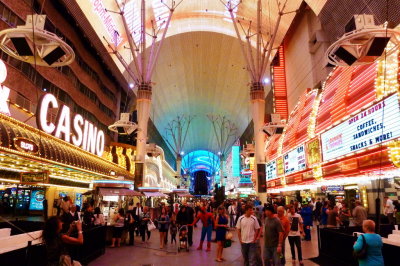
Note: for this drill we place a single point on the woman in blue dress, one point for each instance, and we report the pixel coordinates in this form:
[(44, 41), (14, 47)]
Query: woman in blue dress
[(374, 245), (221, 225)]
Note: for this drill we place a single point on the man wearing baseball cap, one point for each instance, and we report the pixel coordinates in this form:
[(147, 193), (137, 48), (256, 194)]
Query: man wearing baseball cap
[(273, 237)]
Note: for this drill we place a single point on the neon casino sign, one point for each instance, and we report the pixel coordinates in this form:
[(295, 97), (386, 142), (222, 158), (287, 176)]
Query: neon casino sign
[(85, 134), (4, 91)]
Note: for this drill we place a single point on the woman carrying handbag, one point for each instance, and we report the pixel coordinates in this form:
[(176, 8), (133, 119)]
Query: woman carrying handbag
[(368, 247), (145, 224)]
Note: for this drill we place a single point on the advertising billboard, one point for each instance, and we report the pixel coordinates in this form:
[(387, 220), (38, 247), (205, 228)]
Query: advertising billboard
[(376, 124), (295, 160), (271, 170), (36, 202)]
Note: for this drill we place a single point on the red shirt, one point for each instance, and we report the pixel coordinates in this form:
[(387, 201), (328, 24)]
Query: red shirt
[(285, 224), (205, 218)]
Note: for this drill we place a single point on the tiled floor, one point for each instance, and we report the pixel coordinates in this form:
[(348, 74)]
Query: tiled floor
[(149, 254)]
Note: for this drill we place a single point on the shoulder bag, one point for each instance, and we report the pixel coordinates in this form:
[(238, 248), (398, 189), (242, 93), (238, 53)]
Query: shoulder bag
[(150, 225), (361, 254)]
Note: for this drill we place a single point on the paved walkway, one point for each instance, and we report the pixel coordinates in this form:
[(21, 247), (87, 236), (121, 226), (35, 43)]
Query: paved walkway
[(149, 254)]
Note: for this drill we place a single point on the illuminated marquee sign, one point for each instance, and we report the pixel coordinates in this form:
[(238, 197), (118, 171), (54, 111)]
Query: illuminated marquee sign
[(25, 145), (34, 177), (85, 134), (295, 160), (378, 123), (279, 166), (107, 20), (236, 161), (270, 169), (4, 91), (313, 152)]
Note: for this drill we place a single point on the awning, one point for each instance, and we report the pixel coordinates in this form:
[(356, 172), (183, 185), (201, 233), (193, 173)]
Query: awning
[(53, 150), (155, 194), (118, 192), (187, 195)]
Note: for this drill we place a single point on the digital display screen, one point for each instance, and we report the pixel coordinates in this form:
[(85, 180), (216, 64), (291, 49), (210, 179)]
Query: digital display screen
[(295, 160), (270, 170), (78, 199), (37, 198)]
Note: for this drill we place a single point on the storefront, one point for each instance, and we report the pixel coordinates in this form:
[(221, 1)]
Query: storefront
[(339, 142), (153, 196), (59, 156), (111, 195)]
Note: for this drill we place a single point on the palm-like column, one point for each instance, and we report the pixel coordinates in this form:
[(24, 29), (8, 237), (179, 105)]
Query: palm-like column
[(257, 60), (225, 132), (177, 130), (141, 68)]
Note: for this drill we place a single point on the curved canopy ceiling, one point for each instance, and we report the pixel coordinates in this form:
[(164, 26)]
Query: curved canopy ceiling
[(200, 69), (200, 73), (201, 160)]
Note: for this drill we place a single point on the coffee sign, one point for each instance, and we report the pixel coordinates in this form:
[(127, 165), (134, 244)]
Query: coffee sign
[(378, 123)]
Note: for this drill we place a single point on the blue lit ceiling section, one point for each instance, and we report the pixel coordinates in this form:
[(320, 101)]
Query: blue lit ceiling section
[(200, 160)]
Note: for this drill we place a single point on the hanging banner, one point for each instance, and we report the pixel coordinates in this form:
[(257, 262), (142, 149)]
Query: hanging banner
[(378, 123)]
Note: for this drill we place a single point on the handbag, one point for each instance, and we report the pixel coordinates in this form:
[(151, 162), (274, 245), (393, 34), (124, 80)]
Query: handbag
[(65, 260), (150, 226), (227, 243), (361, 254)]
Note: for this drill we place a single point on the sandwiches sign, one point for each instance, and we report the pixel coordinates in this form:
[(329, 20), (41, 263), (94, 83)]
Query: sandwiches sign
[(378, 123)]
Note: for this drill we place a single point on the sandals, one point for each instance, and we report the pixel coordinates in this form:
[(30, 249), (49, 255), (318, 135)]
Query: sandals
[(218, 260)]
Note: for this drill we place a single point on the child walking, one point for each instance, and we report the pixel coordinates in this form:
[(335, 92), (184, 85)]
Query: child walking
[(173, 229)]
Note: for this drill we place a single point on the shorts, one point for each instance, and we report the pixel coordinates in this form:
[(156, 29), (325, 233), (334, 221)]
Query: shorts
[(117, 232)]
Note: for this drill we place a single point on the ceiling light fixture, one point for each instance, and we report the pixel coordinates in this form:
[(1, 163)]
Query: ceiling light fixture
[(363, 43), (31, 43)]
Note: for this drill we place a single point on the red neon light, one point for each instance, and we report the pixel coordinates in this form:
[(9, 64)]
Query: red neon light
[(272, 148), (346, 91), (280, 89)]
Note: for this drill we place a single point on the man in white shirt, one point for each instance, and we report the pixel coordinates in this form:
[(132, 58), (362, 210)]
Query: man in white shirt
[(296, 231), (137, 213), (389, 209), (248, 233), (232, 214)]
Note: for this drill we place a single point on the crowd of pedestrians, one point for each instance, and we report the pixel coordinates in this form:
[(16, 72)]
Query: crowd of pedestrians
[(275, 223)]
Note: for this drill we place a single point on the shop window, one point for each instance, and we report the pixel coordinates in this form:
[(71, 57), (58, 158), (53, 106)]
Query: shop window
[(4, 56), (15, 62), (23, 102), (39, 82)]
